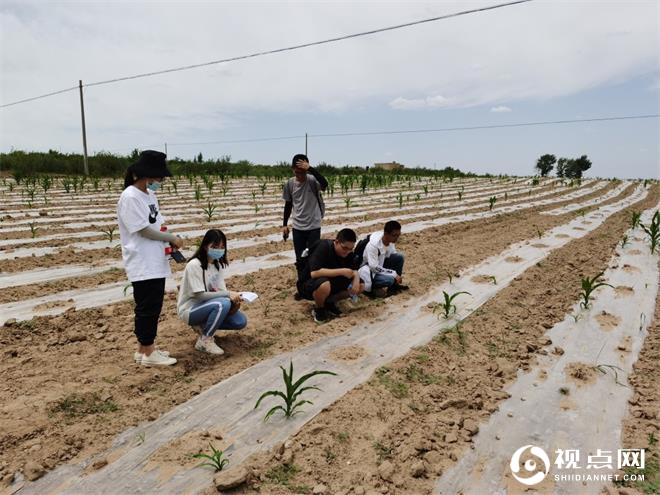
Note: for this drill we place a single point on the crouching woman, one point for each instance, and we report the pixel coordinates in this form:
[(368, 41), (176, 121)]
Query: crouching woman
[(204, 301)]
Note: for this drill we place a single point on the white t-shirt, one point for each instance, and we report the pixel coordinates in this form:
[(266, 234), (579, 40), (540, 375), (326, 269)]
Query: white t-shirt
[(193, 283), (144, 259)]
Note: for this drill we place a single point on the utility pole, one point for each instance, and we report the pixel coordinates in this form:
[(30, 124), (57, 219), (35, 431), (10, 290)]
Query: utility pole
[(84, 131), (166, 148), (305, 144)]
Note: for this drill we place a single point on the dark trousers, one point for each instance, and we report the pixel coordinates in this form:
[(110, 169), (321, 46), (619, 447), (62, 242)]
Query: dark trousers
[(148, 296), (302, 239)]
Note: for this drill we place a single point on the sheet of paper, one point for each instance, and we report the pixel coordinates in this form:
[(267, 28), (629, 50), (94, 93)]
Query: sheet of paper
[(249, 296)]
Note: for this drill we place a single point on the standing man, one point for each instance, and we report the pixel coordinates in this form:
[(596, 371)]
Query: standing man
[(302, 197)]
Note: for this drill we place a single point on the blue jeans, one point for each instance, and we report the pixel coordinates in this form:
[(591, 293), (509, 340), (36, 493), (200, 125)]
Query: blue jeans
[(393, 262), (213, 315)]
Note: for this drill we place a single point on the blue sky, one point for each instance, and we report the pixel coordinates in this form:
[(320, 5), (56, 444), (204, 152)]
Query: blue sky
[(545, 60)]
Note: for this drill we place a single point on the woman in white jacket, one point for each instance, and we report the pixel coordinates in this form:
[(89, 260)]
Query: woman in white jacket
[(204, 301)]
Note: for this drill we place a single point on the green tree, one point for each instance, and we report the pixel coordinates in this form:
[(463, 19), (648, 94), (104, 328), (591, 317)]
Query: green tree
[(545, 164), (577, 167), (561, 167), (200, 158)]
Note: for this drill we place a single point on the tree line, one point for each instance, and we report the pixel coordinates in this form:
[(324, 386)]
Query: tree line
[(570, 168), (31, 163)]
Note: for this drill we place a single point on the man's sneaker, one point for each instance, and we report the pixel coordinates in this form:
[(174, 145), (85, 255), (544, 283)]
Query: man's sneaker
[(209, 346), (137, 356), (332, 309), (402, 287), (157, 358), (320, 315)]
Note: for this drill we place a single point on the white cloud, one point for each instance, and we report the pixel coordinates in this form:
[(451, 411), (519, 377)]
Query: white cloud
[(477, 59), (500, 109), (436, 101)]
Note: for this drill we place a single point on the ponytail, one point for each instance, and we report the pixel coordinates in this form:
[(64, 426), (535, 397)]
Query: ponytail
[(128, 178)]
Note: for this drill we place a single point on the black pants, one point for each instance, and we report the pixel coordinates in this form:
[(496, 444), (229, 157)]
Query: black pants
[(302, 239), (148, 296)]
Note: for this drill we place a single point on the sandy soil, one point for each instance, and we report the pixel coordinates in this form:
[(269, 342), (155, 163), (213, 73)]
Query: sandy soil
[(53, 414), (417, 415), (641, 429)]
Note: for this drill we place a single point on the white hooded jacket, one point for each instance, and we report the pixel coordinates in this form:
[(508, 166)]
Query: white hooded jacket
[(375, 253)]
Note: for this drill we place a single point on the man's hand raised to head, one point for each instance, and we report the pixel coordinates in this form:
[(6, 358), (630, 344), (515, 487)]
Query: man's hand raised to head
[(302, 165)]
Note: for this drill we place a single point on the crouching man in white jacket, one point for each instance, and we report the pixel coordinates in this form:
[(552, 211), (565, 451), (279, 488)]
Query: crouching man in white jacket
[(382, 266)]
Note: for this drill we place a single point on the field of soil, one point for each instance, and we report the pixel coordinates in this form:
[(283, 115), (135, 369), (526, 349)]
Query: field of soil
[(70, 385)]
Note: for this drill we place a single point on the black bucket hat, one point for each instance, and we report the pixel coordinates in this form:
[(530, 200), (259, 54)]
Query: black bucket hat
[(151, 163)]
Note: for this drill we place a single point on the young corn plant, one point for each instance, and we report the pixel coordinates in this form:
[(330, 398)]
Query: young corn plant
[(447, 307), (399, 199), (34, 230), (292, 392), (460, 195), (347, 203), (262, 187), (198, 193), (209, 211), (491, 202), (109, 232), (624, 241), (636, 218), (653, 231), (216, 459), (589, 285)]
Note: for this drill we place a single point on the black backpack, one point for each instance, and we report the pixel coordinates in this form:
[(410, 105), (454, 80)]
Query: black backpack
[(359, 249)]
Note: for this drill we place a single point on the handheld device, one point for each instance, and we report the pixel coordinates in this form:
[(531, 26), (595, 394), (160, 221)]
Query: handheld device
[(178, 257)]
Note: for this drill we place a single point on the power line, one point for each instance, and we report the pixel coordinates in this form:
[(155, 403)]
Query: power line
[(419, 131), (271, 52)]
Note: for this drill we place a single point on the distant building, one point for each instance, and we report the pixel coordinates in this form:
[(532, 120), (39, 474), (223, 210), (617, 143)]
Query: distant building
[(389, 166)]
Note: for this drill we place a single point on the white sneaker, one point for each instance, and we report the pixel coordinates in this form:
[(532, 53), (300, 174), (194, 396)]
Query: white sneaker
[(137, 356), (157, 358), (209, 346)]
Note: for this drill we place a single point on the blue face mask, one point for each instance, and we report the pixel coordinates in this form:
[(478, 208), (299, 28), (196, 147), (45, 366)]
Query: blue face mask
[(216, 254), (153, 186)]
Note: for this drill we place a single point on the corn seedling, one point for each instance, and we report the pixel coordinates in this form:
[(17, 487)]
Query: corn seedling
[(215, 459), (139, 438), (653, 231), (347, 203), (493, 279), (263, 187), (399, 199), (292, 392), (491, 202), (209, 210), (604, 368), (257, 208), (33, 229), (426, 190), (636, 218), (589, 285), (447, 307), (460, 195), (126, 287), (254, 195), (506, 196), (198, 193), (624, 241), (109, 232)]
